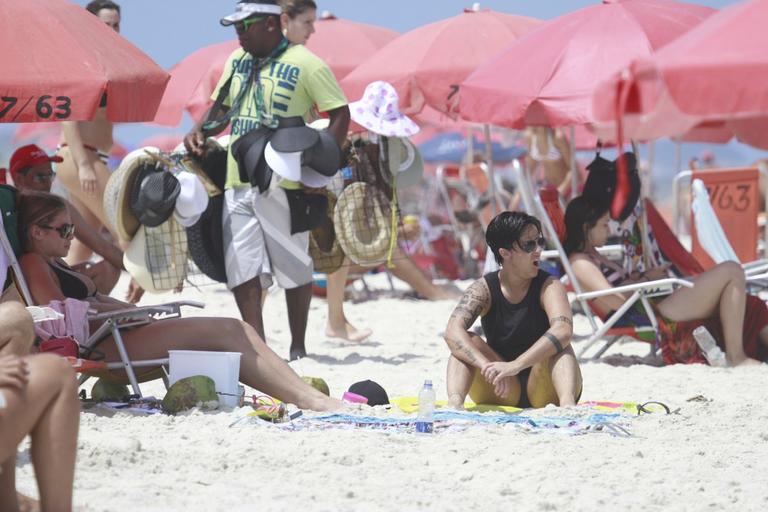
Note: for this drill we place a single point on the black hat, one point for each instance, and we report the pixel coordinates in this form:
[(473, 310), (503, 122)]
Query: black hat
[(601, 182), (325, 156), (293, 135), (248, 151), (206, 241), (153, 196), (370, 390)]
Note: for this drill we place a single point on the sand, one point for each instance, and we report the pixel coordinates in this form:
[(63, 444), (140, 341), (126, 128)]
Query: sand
[(711, 454)]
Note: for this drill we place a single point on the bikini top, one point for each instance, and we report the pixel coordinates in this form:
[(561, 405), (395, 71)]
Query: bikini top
[(552, 153), (72, 285), (613, 273)]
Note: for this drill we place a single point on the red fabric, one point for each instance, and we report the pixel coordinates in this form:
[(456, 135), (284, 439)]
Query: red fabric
[(342, 44), (60, 59), (669, 245), (426, 64), (550, 199), (565, 57)]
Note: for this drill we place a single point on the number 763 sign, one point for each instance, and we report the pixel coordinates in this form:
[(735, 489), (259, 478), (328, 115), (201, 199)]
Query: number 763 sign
[(14, 109)]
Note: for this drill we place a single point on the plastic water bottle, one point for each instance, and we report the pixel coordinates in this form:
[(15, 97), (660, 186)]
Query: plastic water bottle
[(713, 354), (425, 420)]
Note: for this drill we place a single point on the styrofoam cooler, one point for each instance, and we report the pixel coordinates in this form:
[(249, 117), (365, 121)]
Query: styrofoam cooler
[(222, 367)]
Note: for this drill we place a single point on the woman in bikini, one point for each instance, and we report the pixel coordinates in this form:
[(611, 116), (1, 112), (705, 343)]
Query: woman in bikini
[(47, 233), (527, 360), (720, 292)]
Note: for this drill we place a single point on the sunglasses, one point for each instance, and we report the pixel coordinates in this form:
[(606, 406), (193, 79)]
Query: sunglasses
[(243, 26), (65, 231), (531, 245)]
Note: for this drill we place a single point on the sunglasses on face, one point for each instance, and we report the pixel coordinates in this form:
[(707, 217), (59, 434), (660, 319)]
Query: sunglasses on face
[(243, 26), (531, 245), (65, 231)]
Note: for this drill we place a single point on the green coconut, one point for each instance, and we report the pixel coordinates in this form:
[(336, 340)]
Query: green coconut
[(107, 391), (318, 383), (196, 391)]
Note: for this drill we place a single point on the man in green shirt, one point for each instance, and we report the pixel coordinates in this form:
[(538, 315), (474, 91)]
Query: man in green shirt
[(270, 79)]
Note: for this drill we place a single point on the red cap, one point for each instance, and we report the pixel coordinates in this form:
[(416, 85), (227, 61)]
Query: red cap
[(28, 156)]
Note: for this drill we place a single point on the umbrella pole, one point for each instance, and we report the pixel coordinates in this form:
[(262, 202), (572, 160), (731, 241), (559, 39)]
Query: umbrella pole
[(489, 163), (574, 170)]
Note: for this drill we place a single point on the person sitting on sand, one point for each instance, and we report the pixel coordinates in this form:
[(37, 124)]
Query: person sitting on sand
[(46, 234), (31, 170), (38, 397), (528, 360), (719, 292)]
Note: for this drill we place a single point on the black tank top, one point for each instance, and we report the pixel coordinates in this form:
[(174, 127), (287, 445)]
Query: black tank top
[(511, 329)]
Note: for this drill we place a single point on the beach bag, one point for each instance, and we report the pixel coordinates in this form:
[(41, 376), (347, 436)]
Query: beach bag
[(308, 210), (64, 346)]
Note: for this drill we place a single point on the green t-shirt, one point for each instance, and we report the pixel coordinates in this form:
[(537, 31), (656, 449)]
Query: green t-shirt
[(293, 83)]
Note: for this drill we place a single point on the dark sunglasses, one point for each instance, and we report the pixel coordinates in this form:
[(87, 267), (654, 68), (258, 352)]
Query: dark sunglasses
[(531, 245), (242, 26), (65, 231)]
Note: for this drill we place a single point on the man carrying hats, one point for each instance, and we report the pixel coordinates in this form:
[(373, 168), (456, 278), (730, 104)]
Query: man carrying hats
[(267, 80), (31, 170)]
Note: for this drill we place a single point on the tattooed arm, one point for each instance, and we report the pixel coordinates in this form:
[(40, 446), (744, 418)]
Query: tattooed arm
[(474, 303)]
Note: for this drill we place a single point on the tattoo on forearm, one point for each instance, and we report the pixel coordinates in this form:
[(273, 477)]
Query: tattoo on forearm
[(471, 304), (563, 319), (556, 342), (460, 346)]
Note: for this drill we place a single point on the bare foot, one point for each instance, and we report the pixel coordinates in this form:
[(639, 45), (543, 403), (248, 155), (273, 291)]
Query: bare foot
[(748, 361), (456, 402), (348, 332), (27, 504)]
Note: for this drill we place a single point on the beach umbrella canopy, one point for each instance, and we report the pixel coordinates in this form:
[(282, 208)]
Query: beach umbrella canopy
[(451, 147), (547, 77), (426, 64), (715, 72), (342, 44), (59, 60)]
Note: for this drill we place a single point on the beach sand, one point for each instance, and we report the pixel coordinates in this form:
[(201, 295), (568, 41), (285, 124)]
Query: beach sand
[(712, 454)]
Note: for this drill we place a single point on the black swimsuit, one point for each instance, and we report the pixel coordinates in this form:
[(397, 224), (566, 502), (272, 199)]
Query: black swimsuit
[(71, 286)]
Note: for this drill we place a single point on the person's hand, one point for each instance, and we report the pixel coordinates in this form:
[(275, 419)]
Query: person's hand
[(13, 372), (135, 292), (660, 272), (495, 371), (87, 179), (410, 230), (194, 141)]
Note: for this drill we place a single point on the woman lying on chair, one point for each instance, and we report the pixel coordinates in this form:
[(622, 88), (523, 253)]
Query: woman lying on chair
[(718, 298), (528, 360), (46, 233)]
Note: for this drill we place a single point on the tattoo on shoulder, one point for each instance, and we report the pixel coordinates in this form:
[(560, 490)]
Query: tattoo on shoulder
[(471, 304), (563, 319)]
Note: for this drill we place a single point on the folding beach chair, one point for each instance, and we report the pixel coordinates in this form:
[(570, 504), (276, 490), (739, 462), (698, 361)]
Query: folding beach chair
[(548, 206), (113, 321)]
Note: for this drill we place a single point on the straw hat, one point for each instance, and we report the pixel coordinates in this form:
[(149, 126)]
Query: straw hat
[(118, 192), (157, 257), (327, 254), (362, 228), (379, 112), (404, 161)]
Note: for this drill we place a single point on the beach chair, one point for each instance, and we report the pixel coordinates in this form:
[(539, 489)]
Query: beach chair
[(113, 321), (548, 206)]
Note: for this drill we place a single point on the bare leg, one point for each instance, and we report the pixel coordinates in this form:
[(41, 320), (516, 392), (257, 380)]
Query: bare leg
[(260, 367), (461, 376), (298, 301), (720, 289), (406, 270), (17, 332), (555, 380), (49, 411), (338, 326), (248, 299)]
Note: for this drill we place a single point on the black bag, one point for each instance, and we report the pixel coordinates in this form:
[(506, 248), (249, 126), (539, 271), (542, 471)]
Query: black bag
[(308, 211)]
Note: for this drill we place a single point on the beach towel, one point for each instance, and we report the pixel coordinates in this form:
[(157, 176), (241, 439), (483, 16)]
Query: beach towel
[(708, 229), (74, 323)]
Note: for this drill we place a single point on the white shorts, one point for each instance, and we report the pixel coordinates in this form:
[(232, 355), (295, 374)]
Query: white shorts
[(258, 240)]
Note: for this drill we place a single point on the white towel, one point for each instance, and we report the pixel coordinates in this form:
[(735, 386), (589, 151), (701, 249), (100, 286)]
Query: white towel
[(708, 229)]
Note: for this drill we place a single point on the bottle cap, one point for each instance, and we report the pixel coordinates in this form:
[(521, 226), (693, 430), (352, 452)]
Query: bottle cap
[(428, 383)]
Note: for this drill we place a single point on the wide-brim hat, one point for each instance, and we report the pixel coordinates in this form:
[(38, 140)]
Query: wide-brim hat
[(192, 200), (379, 112), (362, 228), (292, 134), (289, 166), (206, 241), (118, 192), (325, 156), (405, 162), (248, 152), (327, 254), (157, 257), (153, 194)]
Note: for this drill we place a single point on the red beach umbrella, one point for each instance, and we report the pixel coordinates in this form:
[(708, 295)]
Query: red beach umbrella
[(59, 60), (426, 64), (715, 72), (547, 77), (342, 44)]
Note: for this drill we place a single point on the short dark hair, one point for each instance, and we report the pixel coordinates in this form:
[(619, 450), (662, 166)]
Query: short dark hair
[(581, 215), (506, 229), (94, 6), (295, 7)]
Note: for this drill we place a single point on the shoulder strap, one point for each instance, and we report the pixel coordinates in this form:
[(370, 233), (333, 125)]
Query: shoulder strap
[(223, 93)]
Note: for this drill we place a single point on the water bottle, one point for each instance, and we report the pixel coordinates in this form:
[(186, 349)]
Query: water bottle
[(426, 418), (713, 354)]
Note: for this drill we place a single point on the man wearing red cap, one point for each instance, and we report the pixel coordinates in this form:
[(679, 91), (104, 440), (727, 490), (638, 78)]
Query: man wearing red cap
[(31, 169)]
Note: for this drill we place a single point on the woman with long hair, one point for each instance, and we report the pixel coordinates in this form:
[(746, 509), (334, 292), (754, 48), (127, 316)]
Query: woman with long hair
[(46, 235)]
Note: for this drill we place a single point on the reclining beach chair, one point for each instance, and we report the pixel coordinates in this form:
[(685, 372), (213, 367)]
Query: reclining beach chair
[(547, 206), (113, 321)]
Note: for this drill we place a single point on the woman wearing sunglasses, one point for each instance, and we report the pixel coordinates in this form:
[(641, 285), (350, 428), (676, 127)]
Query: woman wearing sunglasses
[(527, 360), (46, 234)]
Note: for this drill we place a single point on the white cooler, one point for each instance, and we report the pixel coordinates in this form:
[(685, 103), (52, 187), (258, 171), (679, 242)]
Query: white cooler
[(222, 367)]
